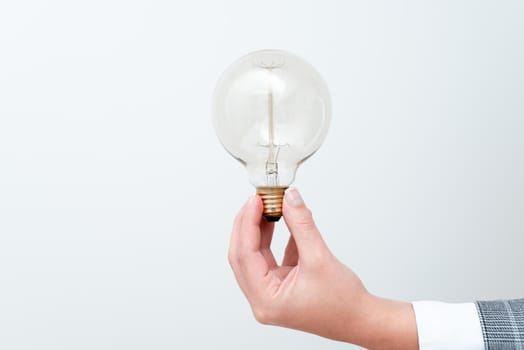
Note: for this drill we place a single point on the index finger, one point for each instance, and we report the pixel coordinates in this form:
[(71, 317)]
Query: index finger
[(249, 263)]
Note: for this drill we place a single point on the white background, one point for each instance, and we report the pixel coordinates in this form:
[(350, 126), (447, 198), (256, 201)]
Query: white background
[(116, 199)]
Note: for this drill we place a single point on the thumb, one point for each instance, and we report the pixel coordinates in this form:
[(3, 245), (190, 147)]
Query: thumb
[(299, 221)]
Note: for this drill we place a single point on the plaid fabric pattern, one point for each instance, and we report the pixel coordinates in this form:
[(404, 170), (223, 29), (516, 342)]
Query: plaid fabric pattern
[(502, 323)]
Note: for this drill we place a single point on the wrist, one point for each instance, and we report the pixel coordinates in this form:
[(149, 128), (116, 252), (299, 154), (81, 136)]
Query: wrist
[(383, 324)]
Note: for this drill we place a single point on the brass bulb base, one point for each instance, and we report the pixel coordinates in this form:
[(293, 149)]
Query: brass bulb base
[(272, 198)]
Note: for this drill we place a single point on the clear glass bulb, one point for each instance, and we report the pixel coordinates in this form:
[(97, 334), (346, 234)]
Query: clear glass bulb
[(271, 111)]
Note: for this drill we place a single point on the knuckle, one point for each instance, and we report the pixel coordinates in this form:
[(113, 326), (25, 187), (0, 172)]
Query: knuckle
[(305, 220), (269, 313), (316, 260), (237, 257), (320, 259), (262, 315)]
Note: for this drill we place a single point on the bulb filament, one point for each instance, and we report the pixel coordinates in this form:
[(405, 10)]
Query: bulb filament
[(271, 164)]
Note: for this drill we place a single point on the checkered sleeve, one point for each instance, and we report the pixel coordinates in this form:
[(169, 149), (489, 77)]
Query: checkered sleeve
[(502, 323)]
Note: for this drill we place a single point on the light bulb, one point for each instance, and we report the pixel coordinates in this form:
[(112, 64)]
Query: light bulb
[(271, 111)]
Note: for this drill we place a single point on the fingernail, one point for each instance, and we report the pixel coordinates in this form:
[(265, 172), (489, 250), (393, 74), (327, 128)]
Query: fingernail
[(293, 198)]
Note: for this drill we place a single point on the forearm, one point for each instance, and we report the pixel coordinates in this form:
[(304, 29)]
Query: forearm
[(385, 324)]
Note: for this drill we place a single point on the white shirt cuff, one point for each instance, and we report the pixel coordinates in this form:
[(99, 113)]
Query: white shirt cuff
[(448, 326)]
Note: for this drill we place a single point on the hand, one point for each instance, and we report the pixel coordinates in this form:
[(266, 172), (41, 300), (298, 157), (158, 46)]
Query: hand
[(311, 290)]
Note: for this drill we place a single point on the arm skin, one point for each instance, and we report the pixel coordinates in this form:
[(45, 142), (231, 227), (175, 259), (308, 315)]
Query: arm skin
[(311, 290)]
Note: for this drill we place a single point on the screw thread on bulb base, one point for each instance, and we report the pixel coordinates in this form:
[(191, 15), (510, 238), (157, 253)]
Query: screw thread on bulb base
[(272, 198)]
